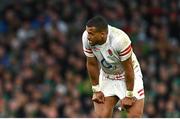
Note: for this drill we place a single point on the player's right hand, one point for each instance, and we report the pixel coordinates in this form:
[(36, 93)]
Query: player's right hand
[(127, 102), (98, 97)]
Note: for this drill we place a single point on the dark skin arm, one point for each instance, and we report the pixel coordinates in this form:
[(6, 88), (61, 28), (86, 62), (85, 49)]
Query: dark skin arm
[(129, 73), (93, 71), (127, 102)]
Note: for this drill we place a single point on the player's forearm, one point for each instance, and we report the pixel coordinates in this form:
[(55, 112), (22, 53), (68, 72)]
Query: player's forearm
[(129, 74), (93, 71), (129, 79)]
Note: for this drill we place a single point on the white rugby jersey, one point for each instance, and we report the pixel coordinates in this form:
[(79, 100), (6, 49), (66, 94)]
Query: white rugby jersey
[(117, 48)]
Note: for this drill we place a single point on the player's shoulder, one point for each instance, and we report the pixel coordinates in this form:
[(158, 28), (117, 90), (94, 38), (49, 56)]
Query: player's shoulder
[(117, 32), (118, 36), (84, 34)]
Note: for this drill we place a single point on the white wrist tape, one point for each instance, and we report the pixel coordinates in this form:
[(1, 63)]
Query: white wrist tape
[(129, 93), (96, 88)]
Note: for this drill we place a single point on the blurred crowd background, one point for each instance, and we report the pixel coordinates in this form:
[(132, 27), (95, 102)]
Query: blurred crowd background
[(42, 64)]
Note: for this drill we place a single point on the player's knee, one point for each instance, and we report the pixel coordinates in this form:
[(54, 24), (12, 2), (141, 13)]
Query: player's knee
[(103, 114), (136, 111)]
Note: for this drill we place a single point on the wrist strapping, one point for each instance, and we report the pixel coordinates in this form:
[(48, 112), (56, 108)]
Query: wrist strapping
[(129, 93), (95, 88)]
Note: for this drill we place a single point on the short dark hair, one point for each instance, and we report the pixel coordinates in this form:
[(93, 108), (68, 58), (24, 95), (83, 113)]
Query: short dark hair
[(98, 22)]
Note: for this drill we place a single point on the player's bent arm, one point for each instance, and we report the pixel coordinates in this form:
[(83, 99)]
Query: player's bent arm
[(93, 70), (129, 76)]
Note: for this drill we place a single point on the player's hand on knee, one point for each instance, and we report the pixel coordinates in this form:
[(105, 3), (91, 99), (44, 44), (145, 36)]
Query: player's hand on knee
[(127, 102), (98, 97)]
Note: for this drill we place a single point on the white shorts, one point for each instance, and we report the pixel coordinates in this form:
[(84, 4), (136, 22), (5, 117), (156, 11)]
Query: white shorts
[(117, 88)]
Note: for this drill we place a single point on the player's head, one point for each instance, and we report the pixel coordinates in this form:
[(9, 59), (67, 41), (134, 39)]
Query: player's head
[(97, 29)]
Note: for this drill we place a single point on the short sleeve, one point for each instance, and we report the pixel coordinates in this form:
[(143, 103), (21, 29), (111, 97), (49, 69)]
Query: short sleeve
[(126, 53), (86, 47), (123, 47)]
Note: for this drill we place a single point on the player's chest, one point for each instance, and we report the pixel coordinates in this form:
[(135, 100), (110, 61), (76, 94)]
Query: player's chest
[(106, 53)]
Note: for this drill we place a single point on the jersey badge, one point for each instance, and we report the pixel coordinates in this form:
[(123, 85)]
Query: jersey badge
[(110, 52)]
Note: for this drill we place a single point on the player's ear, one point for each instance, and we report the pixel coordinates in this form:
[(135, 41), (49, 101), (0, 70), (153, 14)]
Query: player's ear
[(103, 34)]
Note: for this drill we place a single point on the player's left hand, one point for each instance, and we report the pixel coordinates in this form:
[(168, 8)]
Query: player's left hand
[(127, 102)]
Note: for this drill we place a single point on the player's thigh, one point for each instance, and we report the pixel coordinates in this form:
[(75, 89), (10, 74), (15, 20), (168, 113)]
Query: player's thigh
[(105, 109), (137, 109)]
